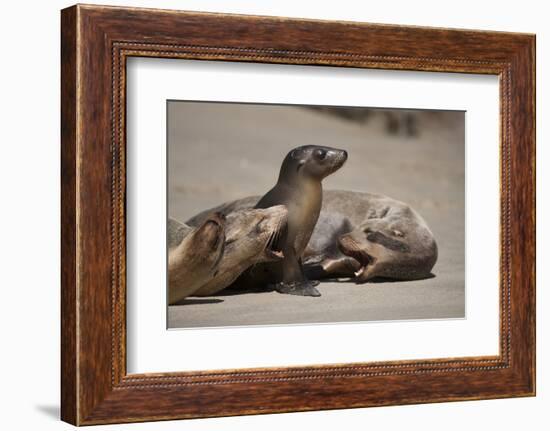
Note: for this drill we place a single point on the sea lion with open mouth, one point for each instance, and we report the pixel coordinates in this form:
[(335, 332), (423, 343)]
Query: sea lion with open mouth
[(366, 236)]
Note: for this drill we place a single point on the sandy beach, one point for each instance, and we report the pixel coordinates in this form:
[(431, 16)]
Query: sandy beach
[(220, 152)]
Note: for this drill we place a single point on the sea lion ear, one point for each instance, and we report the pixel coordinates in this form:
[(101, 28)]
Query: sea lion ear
[(295, 153)]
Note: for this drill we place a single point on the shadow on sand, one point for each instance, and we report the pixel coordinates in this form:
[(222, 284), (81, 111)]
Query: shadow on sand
[(236, 291), (376, 280), (196, 301)]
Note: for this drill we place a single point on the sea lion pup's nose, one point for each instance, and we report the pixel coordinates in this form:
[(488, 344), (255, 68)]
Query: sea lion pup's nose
[(338, 157)]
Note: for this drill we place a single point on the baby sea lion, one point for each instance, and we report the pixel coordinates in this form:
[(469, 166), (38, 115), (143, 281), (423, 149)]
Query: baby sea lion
[(299, 189), (361, 236), (249, 237), (193, 255)]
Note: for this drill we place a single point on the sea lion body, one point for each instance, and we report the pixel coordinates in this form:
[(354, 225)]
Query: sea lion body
[(299, 189), (369, 234)]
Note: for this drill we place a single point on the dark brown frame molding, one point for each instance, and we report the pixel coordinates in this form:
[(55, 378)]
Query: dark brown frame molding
[(95, 43)]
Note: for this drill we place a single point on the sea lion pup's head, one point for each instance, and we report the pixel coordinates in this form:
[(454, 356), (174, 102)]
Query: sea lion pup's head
[(311, 161), (390, 250)]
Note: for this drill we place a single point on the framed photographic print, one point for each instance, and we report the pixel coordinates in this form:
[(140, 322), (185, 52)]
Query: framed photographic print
[(266, 215)]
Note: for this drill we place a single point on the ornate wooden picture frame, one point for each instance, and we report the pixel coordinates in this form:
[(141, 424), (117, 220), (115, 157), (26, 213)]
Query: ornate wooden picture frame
[(96, 41)]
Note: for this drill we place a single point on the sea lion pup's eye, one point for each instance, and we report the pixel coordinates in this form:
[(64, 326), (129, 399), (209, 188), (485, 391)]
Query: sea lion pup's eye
[(320, 154)]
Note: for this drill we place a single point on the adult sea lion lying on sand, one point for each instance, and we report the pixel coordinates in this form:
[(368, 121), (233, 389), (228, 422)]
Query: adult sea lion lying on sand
[(249, 237), (362, 236)]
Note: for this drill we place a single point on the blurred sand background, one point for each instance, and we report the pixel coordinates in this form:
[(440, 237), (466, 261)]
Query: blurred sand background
[(223, 151)]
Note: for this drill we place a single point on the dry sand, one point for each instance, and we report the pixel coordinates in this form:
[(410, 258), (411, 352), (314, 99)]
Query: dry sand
[(220, 152)]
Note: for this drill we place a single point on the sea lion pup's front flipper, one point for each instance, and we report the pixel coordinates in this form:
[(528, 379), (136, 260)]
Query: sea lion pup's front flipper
[(299, 189), (300, 288), (295, 281)]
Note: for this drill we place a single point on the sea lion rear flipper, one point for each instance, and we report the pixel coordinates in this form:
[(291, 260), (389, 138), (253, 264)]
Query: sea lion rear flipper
[(294, 281)]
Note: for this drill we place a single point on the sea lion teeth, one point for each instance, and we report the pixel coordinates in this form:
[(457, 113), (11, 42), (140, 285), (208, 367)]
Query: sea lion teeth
[(278, 254), (359, 273), (274, 254)]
